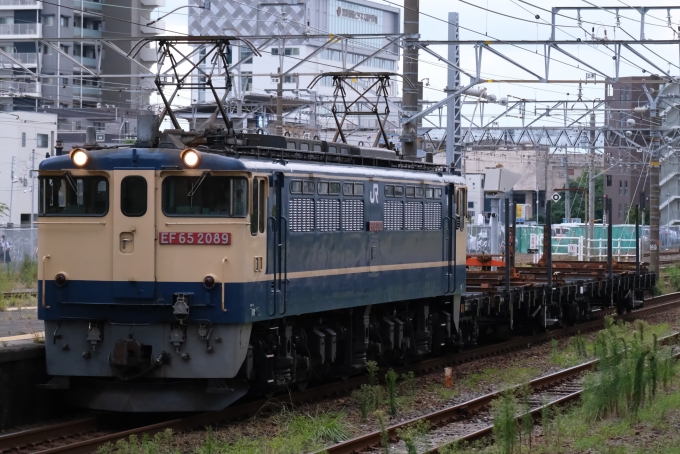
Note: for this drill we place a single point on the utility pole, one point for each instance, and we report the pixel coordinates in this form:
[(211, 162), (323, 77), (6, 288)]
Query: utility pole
[(32, 189), (655, 122), (409, 137), (591, 187), (567, 193), (279, 104), (11, 193), (453, 147)]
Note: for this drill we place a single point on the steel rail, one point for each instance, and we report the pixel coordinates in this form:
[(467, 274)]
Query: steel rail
[(465, 409), (654, 305), (14, 441)]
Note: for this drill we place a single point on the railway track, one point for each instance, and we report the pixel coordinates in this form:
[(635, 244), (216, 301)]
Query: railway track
[(86, 435), (14, 293), (558, 388)]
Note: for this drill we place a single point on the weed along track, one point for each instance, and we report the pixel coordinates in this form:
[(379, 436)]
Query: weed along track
[(470, 421), (87, 435)]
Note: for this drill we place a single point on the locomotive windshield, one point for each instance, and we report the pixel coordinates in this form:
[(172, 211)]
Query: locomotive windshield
[(205, 196), (73, 196)]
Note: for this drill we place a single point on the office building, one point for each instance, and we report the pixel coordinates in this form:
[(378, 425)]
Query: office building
[(254, 80)]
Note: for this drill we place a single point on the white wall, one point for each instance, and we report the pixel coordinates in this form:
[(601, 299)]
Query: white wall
[(14, 125)]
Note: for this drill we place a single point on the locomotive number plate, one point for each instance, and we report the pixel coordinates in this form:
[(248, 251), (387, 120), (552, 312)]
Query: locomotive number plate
[(194, 238)]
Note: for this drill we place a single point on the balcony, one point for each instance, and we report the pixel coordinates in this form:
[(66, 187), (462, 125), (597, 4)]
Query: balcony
[(20, 4), (13, 88), (155, 29), (87, 61), (25, 58), (87, 5), (79, 32), (87, 91), (9, 31), (153, 2)]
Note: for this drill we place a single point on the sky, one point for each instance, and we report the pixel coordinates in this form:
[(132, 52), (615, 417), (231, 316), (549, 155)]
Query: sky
[(516, 20)]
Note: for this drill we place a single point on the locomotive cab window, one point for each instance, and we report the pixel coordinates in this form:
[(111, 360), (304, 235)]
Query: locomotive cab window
[(73, 196), (133, 196), (258, 213), (205, 195)]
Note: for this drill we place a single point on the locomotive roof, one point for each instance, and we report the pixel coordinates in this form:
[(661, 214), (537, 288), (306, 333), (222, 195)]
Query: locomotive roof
[(169, 159)]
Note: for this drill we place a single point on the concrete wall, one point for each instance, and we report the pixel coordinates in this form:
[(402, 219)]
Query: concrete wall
[(22, 367)]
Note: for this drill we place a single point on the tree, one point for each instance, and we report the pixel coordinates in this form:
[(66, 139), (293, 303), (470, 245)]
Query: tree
[(578, 204)]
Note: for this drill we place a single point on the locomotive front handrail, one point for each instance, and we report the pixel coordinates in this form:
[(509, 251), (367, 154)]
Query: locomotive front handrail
[(224, 260), (285, 264), (45, 257)]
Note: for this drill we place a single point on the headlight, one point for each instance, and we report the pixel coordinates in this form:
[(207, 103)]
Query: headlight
[(79, 157), (190, 157)]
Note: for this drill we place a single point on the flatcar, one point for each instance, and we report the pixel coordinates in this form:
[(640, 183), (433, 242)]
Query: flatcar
[(181, 279)]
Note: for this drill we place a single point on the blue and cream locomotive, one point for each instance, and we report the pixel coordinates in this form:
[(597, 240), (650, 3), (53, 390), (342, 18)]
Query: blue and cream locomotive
[(179, 279)]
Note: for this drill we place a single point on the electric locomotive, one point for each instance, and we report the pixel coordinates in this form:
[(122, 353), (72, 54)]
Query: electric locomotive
[(178, 279)]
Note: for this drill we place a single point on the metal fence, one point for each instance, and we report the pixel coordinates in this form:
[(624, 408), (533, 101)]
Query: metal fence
[(569, 240), (23, 244)]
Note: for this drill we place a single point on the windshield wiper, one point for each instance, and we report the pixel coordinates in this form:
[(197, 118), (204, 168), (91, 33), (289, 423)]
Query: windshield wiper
[(195, 186), (72, 182)]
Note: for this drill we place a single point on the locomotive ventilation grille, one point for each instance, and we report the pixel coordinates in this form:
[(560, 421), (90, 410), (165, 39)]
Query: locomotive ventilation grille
[(301, 215), (413, 216), (328, 215), (353, 215), (394, 215), (433, 216)]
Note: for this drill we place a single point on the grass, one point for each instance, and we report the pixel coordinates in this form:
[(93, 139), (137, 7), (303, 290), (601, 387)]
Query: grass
[(294, 434), (636, 388), (442, 392), (38, 338), (494, 376)]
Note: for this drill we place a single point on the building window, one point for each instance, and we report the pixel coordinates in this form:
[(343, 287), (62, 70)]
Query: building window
[(41, 140), (625, 187), (64, 48), (64, 21), (247, 54), (609, 180), (48, 21), (23, 139), (246, 81), (290, 79), (287, 51), (619, 211), (620, 187)]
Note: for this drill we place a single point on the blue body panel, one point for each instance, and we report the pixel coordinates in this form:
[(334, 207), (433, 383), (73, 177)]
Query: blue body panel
[(244, 301)]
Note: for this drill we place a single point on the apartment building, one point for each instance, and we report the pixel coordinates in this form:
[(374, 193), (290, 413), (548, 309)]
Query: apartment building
[(626, 170), (55, 73)]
